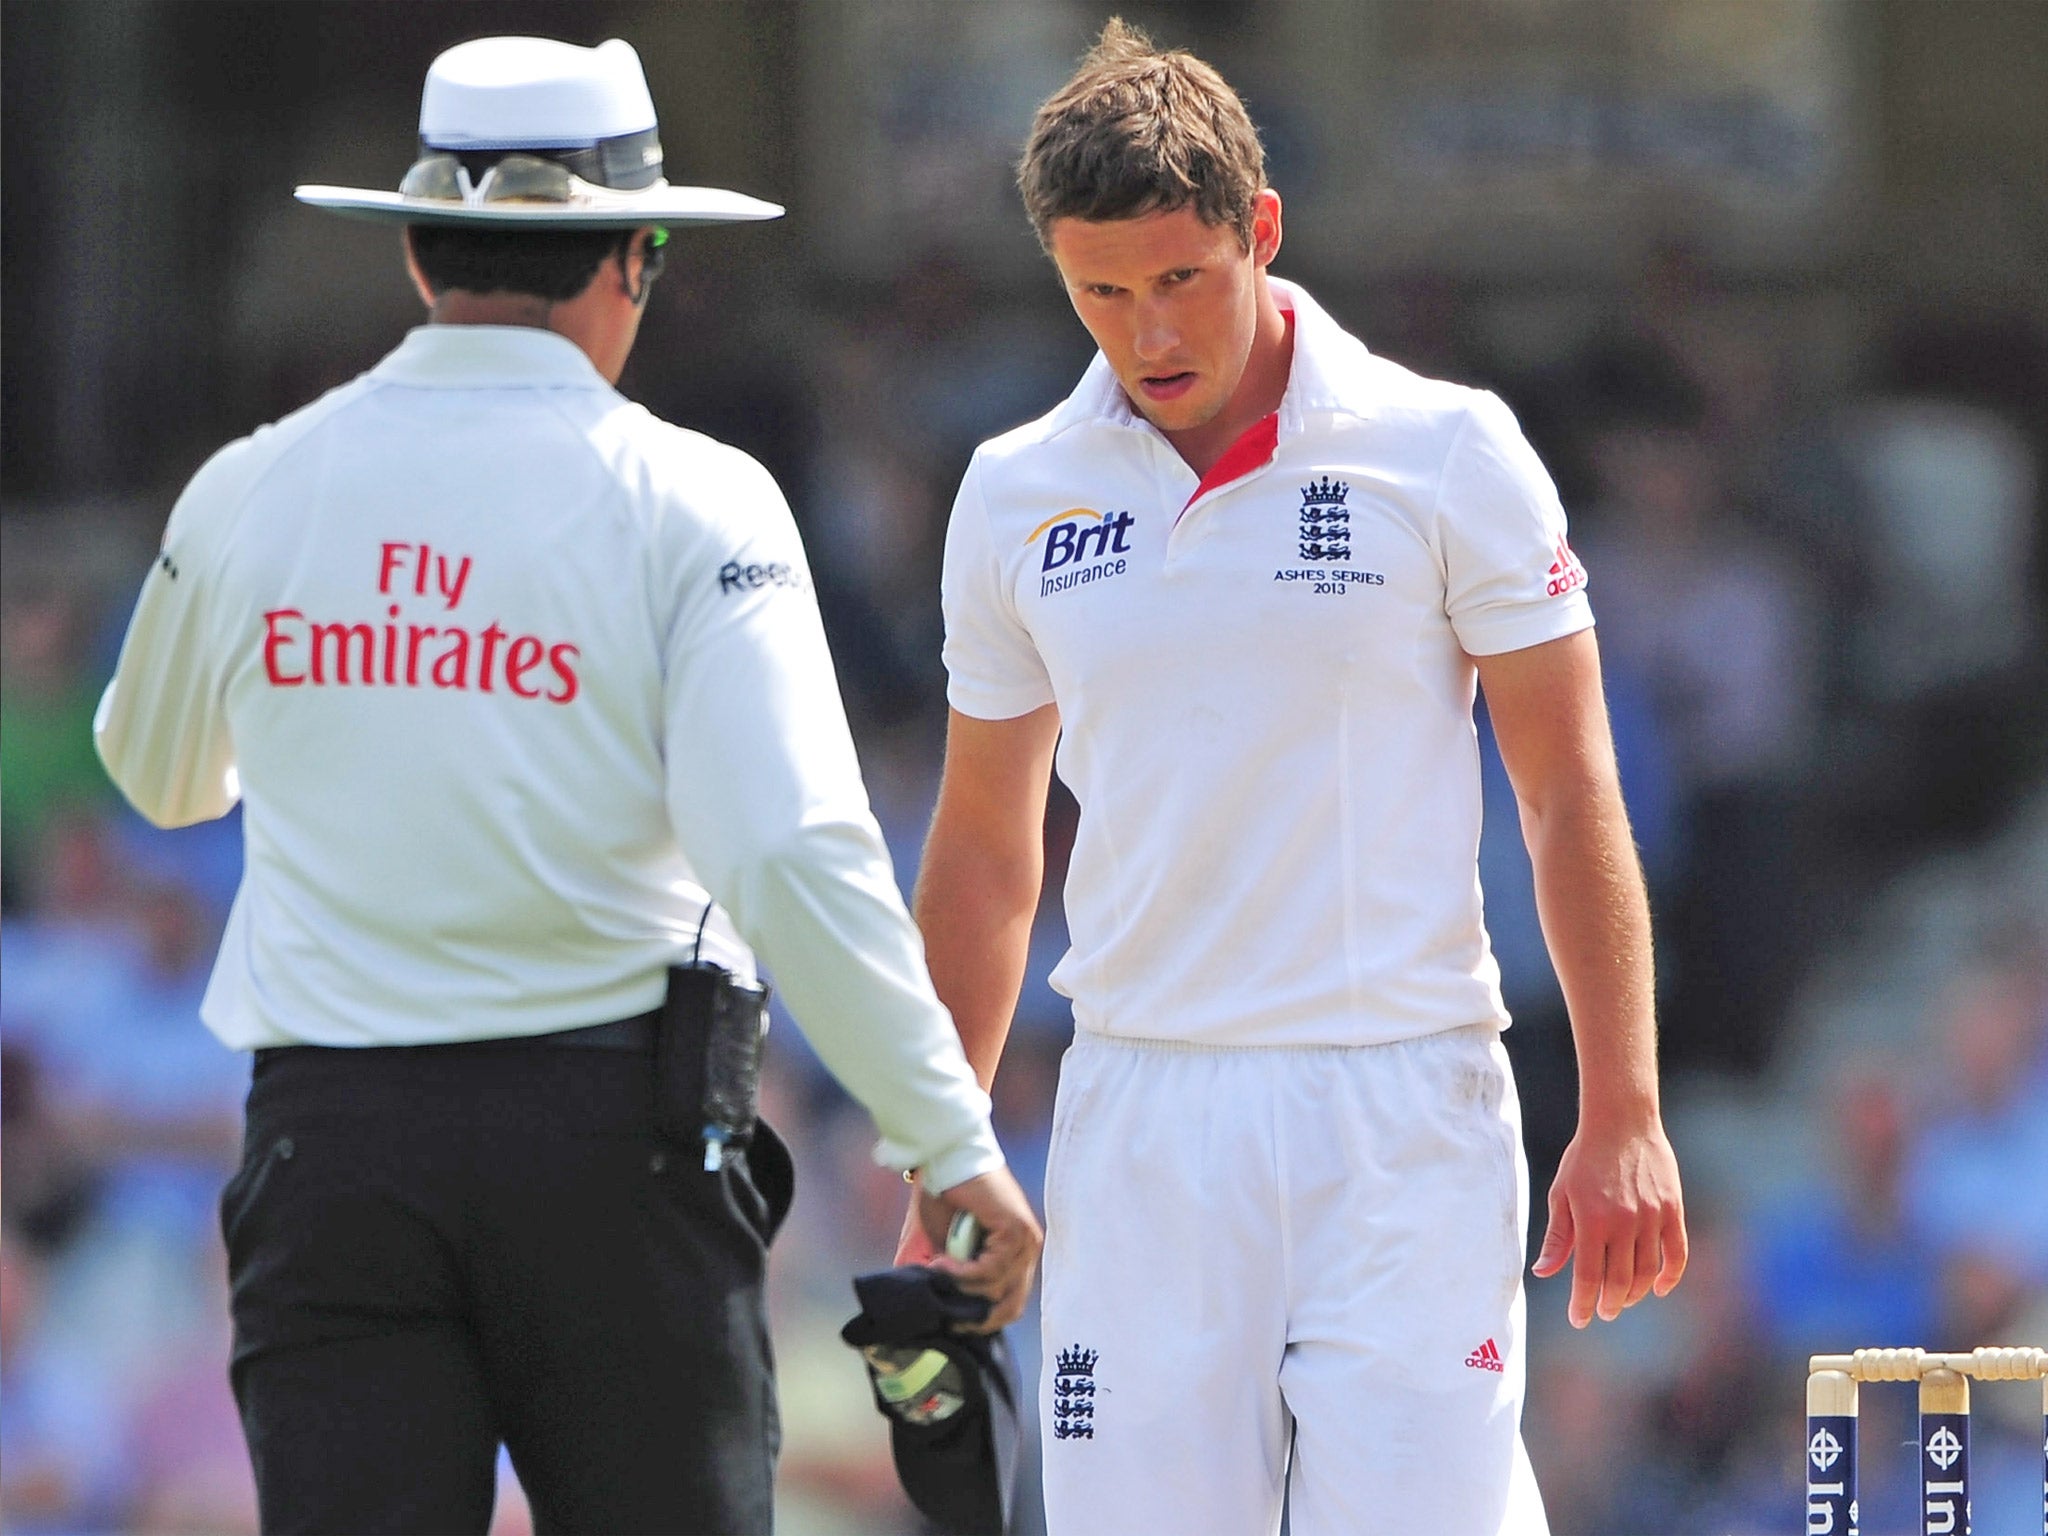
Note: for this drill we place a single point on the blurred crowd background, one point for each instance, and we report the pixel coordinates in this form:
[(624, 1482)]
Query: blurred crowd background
[(1766, 282)]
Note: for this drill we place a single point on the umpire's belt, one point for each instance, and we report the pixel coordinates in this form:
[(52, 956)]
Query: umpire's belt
[(638, 1033), (635, 1034)]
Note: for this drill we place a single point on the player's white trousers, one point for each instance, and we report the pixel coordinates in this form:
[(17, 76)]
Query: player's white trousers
[(1286, 1271)]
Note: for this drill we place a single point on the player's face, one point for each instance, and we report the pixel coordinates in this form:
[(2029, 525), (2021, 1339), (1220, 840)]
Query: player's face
[(1173, 303)]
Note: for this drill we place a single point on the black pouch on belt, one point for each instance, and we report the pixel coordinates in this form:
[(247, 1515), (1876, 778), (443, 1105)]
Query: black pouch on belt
[(707, 1060)]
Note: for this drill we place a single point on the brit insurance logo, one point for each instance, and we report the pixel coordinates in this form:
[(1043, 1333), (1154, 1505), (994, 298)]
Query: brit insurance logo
[(1080, 546), (1323, 536)]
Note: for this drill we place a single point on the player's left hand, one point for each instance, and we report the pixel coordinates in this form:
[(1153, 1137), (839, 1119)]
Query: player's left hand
[(1617, 1213)]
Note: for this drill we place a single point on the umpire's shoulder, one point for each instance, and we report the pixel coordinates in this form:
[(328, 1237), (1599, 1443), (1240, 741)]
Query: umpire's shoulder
[(220, 489), (673, 472)]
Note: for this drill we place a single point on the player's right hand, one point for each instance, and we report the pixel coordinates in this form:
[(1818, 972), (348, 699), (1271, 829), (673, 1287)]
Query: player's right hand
[(1011, 1242), (1617, 1213)]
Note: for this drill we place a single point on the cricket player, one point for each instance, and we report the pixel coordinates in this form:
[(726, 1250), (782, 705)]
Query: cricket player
[(1238, 588), (526, 699)]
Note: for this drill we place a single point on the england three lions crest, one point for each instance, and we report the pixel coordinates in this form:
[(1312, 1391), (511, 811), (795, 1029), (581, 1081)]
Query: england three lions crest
[(1073, 1394), (1325, 520)]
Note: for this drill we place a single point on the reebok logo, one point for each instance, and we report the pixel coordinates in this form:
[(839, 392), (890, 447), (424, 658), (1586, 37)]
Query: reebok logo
[(733, 576), (1485, 1358)]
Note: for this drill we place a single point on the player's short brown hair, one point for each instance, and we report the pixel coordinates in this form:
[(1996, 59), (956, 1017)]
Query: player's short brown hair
[(1141, 130)]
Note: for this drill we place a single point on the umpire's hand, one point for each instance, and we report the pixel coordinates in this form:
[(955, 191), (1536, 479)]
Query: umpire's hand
[(1010, 1243)]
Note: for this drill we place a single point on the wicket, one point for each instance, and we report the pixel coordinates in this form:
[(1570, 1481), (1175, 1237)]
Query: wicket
[(1831, 1385)]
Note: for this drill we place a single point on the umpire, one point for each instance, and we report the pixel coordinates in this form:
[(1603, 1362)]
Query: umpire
[(526, 700)]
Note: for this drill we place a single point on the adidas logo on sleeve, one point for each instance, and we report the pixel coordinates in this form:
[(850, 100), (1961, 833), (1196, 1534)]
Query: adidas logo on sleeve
[(1485, 1358)]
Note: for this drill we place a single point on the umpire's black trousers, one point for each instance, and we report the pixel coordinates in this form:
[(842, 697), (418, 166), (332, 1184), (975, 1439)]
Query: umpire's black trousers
[(437, 1249)]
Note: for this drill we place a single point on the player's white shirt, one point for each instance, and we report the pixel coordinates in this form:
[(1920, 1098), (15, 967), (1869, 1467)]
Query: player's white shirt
[(1265, 685), (508, 675)]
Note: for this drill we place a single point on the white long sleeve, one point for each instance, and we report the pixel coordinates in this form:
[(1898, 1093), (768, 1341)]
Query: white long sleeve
[(160, 727)]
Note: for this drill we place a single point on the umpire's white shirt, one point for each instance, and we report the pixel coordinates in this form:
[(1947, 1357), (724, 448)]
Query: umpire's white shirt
[(1265, 682), (508, 675)]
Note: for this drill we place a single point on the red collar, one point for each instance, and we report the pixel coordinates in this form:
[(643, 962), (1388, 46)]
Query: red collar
[(1254, 447)]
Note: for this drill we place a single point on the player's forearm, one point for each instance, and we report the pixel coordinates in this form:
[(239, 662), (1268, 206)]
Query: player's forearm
[(1596, 922), (975, 907)]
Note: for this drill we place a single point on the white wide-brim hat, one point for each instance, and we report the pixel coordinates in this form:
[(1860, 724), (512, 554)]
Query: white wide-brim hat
[(529, 133)]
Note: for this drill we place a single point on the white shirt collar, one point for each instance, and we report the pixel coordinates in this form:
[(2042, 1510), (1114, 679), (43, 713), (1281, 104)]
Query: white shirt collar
[(486, 356), (1322, 348)]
